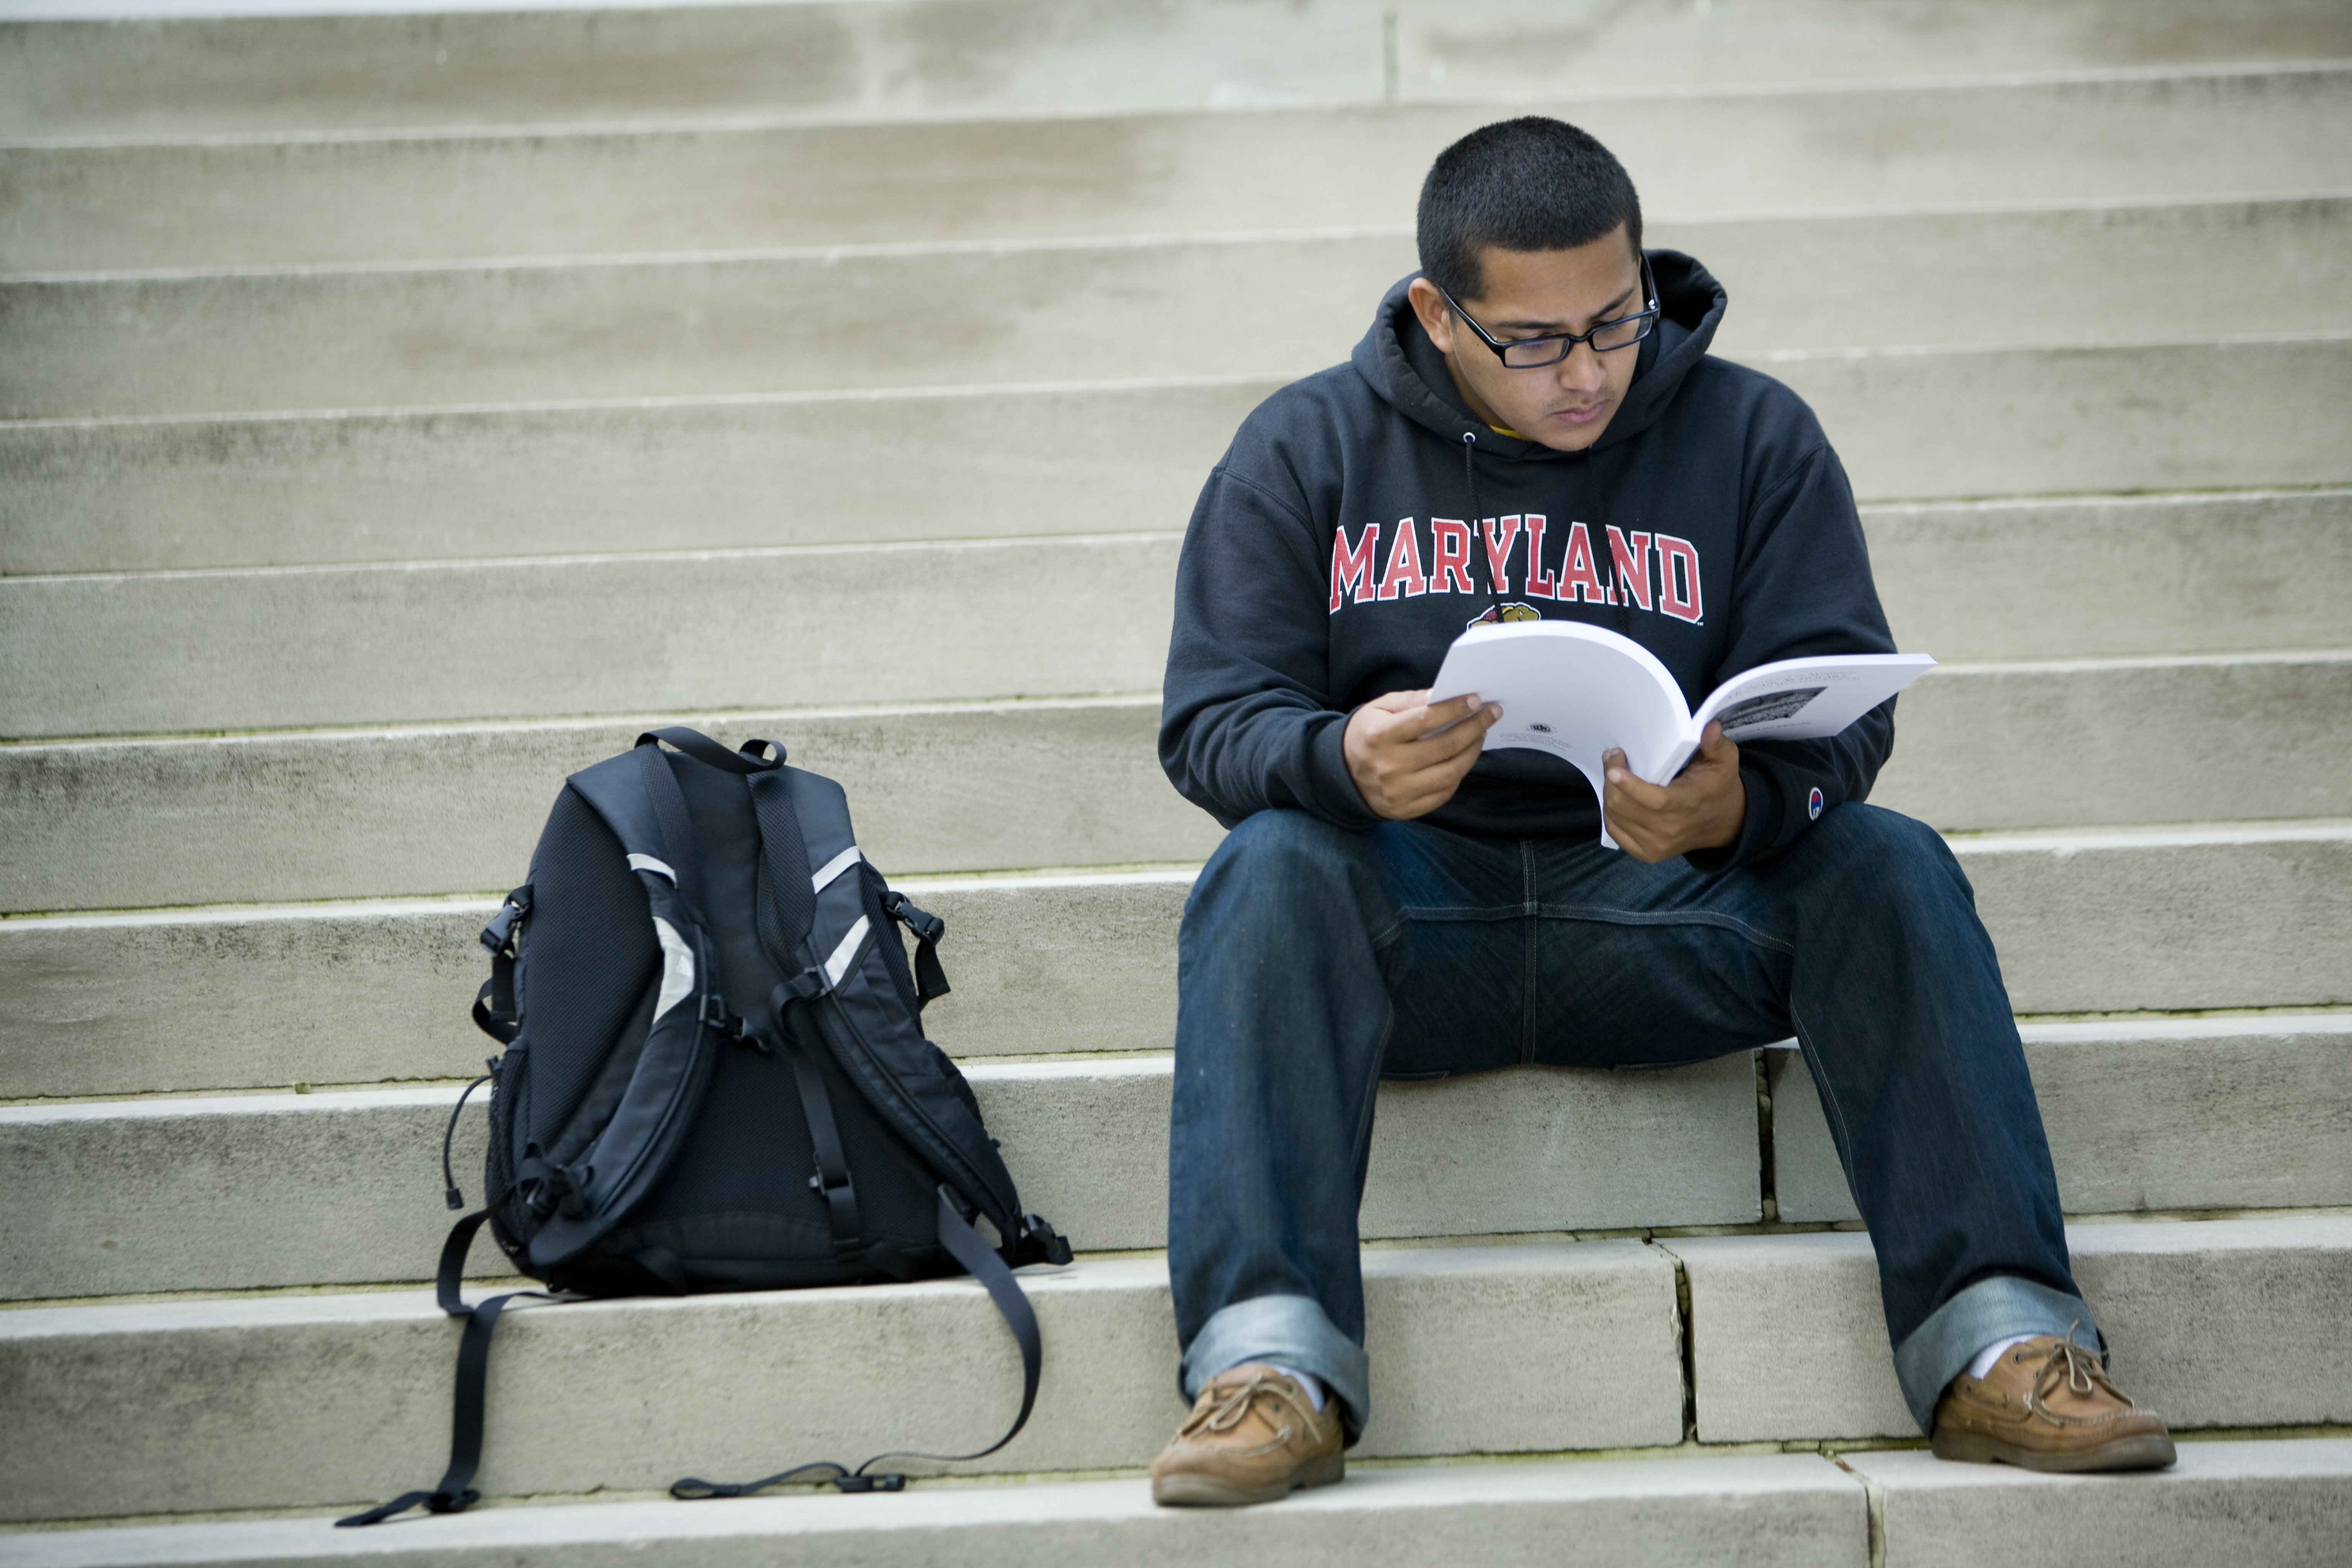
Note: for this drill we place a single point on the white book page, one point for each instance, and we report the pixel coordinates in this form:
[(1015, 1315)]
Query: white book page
[(1575, 692), (1805, 699)]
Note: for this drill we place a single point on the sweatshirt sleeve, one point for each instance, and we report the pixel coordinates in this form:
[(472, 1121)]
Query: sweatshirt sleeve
[(1803, 586), (1246, 716)]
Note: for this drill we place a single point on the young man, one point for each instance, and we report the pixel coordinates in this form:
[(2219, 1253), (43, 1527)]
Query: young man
[(1533, 428)]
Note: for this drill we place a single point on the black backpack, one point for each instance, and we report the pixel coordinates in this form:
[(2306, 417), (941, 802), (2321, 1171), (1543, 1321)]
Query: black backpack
[(715, 1075)]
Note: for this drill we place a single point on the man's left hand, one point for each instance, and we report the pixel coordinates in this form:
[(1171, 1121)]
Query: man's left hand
[(1702, 809)]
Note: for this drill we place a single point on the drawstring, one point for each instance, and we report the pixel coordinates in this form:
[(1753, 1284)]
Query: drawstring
[(450, 1195), (1480, 561), (1604, 557)]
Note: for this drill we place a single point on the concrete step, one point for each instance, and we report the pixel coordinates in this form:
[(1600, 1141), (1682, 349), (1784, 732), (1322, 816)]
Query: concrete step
[(1015, 784), (2281, 1503), (1021, 461), (109, 653), (2116, 574), (2284, 1499), (116, 342), (2143, 1114), (227, 1194), (176, 1001), (230, 1193), (366, 812), (751, 184), (181, 1000), (897, 61), (311, 1401), (2220, 1323)]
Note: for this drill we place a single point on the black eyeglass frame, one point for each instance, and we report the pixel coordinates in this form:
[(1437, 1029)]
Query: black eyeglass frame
[(1567, 341)]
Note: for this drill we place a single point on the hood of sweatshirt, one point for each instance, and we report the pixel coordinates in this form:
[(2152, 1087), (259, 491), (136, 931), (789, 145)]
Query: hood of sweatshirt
[(1406, 371), (1364, 516)]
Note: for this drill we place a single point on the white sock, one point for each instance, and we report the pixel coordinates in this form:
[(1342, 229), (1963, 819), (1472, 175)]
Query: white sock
[(1994, 1352), (1305, 1380)]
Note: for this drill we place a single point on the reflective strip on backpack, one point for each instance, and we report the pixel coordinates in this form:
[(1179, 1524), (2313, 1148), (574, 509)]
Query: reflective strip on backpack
[(677, 967), (838, 965), (832, 868)]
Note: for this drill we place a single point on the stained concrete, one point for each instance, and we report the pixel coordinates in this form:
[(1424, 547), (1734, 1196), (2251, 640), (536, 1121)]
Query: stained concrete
[(629, 633), (237, 1193), (2156, 1114), (723, 184), (2287, 1503), (369, 813), (998, 462), (227, 998), (2096, 575), (697, 325), (311, 1401), (1792, 1510), (882, 60), (2227, 1323)]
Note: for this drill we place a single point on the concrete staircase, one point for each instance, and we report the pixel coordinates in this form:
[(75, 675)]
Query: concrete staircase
[(398, 411)]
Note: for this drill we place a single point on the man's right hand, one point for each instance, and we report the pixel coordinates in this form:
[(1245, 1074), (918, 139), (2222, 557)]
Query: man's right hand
[(1403, 770)]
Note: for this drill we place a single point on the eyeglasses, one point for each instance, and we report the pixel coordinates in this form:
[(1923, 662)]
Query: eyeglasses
[(1534, 353)]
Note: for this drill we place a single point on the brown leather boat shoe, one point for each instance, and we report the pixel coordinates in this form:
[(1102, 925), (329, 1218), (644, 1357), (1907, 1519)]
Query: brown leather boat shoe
[(2047, 1404), (1252, 1436)]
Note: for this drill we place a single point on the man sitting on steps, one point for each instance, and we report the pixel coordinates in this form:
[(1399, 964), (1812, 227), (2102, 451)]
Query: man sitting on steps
[(1533, 427)]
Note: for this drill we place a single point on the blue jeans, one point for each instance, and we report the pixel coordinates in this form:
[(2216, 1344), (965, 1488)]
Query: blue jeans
[(1315, 959)]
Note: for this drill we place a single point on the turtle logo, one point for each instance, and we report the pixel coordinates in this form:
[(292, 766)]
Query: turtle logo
[(1512, 610), (1814, 804)]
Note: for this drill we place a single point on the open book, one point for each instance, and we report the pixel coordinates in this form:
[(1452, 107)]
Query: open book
[(1577, 690)]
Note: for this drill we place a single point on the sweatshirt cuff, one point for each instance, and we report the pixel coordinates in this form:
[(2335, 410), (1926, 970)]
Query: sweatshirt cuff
[(1758, 830), (1337, 799)]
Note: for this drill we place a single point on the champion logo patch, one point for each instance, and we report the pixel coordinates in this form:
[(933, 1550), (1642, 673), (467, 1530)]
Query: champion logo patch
[(1813, 804)]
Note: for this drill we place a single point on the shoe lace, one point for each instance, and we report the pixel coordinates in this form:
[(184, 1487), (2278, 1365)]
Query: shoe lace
[(1233, 1404), (2075, 1366)]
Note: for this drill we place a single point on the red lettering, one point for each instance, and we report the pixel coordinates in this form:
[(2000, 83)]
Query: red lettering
[(1452, 560), (1403, 575), (1540, 582), (1633, 564), (1351, 566), (1499, 551), (1579, 578), (1678, 591)]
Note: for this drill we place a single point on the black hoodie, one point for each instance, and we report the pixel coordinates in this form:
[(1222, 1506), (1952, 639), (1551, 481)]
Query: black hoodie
[(1331, 560)]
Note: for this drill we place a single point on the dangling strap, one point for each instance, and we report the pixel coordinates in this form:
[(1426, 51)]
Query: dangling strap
[(832, 1179), (456, 1493), (930, 980), (494, 1004), (964, 1245)]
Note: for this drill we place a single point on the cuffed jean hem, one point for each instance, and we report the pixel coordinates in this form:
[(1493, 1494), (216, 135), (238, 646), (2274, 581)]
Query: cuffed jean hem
[(1940, 1349), (1288, 1331)]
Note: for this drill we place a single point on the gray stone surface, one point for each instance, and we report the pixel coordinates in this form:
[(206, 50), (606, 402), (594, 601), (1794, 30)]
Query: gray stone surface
[(230, 998), (696, 325), (2200, 738), (869, 61), (2255, 916), (379, 812), (309, 1401), (126, 654), (2153, 1114), (1792, 1510), (2282, 1504), (235, 1193), (688, 474), (227, 998), (733, 184), (2226, 1323), (894, 59), (2094, 575)]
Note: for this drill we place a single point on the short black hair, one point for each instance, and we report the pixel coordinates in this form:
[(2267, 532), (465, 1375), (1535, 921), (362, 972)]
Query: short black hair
[(1531, 184)]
